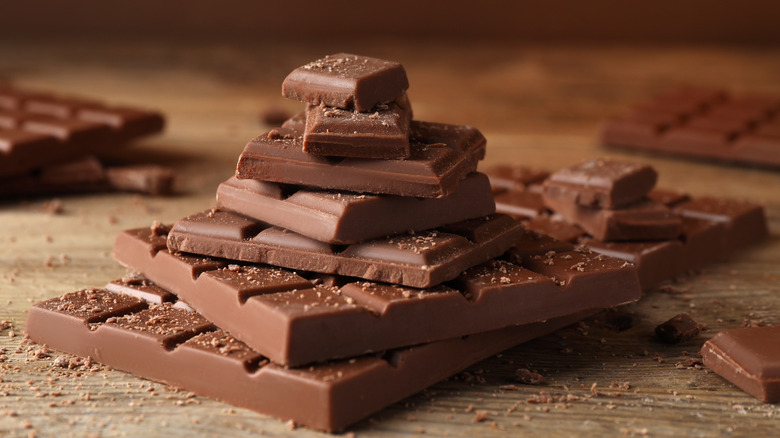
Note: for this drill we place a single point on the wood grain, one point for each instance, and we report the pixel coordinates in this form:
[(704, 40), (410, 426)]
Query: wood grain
[(537, 105)]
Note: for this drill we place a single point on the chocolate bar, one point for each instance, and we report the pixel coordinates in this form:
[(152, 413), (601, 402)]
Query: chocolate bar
[(601, 183), (294, 319), (180, 348), (712, 229), (440, 156), (344, 218), (417, 259), (38, 129), (702, 123), (643, 220), (383, 133), (87, 174), (748, 358), (346, 81)]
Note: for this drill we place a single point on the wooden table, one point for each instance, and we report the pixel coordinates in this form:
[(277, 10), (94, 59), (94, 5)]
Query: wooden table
[(537, 105)]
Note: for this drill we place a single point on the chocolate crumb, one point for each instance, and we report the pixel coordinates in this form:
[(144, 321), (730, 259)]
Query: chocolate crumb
[(528, 377), (680, 328)]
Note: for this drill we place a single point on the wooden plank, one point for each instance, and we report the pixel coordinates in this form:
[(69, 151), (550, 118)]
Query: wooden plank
[(537, 105)]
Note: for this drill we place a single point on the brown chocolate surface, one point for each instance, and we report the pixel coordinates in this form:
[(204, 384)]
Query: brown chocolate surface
[(748, 358), (178, 347), (295, 320), (383, 133), (38, 129), (440, 156), (342, 218), (677, 329), (712, 229), (417, 259), (601, 183), (346, 81), (702, 123)]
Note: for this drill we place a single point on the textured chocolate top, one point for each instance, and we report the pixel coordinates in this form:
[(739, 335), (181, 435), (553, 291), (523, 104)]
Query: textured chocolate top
[(603, 183), (418, 259), (440, 156), (346, 81), (294, 321), (337, 217)]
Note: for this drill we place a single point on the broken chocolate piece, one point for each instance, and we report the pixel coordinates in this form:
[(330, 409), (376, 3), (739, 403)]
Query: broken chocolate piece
[(678, 329)]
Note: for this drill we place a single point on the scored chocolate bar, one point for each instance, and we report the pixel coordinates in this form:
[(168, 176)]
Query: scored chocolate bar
[(748, 358), (417, 259), (712, 229), (37, 129), (342, 218), (178, 347), (347, 81), (440, 156), (383, 133), (703, 123), (295, 320)]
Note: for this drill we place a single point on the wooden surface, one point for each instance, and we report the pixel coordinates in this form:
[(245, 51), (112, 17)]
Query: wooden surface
[(537, 105)]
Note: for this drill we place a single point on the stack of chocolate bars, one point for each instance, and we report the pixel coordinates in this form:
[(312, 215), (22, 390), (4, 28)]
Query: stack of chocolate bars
[(613, 207), (354, 260), (50, 144)]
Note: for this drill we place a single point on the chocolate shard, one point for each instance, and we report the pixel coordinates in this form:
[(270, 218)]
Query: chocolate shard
[(748, 358), (440, 156), (295, 319), (344, 218), (346, 81), (417, 259), (601, 183), (383, 133), (678, 329)]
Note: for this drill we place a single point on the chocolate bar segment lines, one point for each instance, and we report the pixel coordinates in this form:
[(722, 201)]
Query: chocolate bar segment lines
[(343, 218), (417, 259), (293, 321), (440, 156)]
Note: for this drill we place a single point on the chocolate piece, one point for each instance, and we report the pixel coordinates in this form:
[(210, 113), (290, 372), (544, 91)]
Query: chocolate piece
[(655, 261), (748, 358), (745, 222), (179, 348), (143, 178), (555, 226), (704, 124), (506, 177), (346, 81), (40, 129), (440, 156), (294, 321), (603, 183), (383, 133), (678, 329), (344, 218), (520, 204), (644, 220), (414, 259)]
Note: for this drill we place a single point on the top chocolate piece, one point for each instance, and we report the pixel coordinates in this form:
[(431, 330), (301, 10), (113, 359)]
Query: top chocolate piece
[(602, 183), (346, 81)]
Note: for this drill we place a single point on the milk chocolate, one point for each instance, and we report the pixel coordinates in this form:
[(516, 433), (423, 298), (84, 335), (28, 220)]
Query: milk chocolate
[(440, 156), (347, 81), (678, 329), (601, 183), (294, 319), (38, 129), (412, 259), (383, 133), (702, 123), (748, 358), (343, 218)]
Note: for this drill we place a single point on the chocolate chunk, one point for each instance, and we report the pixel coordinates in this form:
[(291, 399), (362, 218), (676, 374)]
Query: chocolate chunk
[(702, 123), (603, 183), (383, 133), (294, 321), (413, 259), (343, 218), (748, 358), (643, 220), (144, 178), (441, 155), (346, 81), (678, 329)]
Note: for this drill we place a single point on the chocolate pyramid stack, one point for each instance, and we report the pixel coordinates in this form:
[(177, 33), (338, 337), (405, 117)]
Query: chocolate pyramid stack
[(355, 259)]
